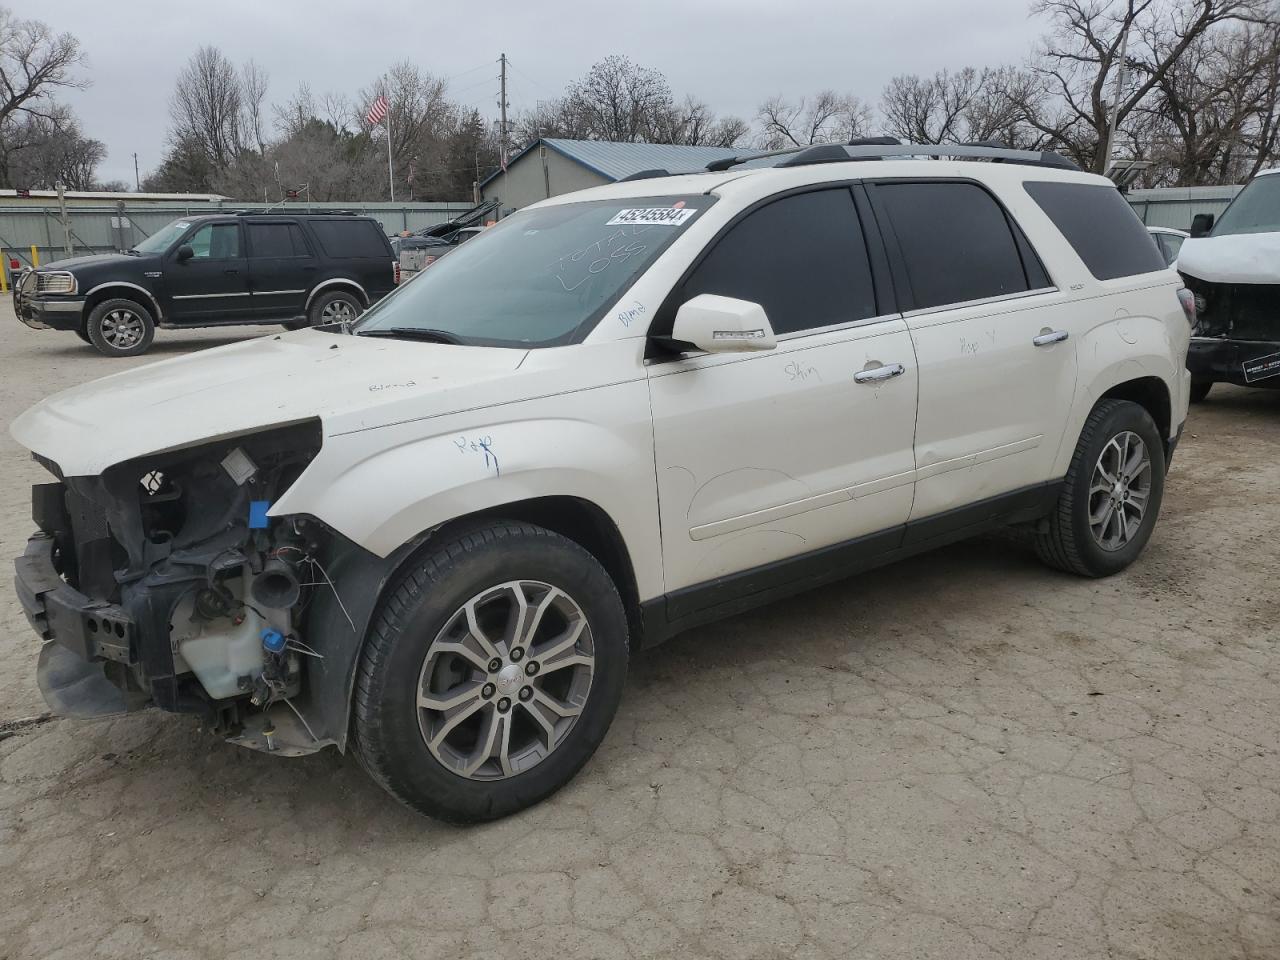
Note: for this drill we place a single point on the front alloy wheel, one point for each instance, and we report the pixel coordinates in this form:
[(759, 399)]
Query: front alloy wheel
[(505, 680), (493, 668), (120, 328)]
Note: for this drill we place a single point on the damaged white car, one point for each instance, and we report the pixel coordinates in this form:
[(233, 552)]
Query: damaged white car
[(1233, 268), (435, 536)]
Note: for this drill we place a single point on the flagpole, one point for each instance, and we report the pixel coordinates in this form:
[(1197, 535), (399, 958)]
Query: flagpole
[(391, 176)]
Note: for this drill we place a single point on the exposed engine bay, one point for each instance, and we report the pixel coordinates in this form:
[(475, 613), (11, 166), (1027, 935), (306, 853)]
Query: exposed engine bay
[(197, 600), (1241, 311)]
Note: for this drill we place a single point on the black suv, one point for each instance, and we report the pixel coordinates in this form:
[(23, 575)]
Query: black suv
[(205, 271)]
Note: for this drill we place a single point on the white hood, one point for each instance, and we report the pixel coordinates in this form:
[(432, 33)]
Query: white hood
[(350, 383), (1235, 258)]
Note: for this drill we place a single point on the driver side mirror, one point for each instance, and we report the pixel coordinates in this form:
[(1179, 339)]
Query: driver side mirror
[(185, 253), (723, 325), (1201, 224)]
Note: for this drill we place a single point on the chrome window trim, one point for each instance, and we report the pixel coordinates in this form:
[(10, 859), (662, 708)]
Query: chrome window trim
[(835, 327), (961, 304)]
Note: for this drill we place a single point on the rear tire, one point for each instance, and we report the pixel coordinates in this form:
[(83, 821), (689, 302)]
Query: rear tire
[(336, 306), (449, 690), (120, 328), (1111, 496), (1200, 389)]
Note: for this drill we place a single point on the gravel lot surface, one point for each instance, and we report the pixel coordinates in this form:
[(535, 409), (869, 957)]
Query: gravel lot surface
[(962, 756)]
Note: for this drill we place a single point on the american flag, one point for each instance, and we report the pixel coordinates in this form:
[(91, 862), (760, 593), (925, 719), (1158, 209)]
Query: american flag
[(377, 112)]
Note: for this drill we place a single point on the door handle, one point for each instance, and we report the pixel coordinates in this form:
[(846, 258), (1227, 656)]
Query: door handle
[(1054, 336), (231, 270), (880, 374)]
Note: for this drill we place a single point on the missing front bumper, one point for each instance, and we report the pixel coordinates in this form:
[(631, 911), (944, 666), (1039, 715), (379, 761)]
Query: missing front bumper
[(1246, 363)]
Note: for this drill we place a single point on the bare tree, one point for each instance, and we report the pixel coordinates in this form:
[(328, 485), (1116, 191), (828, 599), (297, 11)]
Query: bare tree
[(34, 62), (253, 96), (40, 142), (618, 100), (1212, 117), (1079, 59), (692, 123), (46, 149), (552, 118), (420, 117), (826, 117), (206, 110), (964, 106)]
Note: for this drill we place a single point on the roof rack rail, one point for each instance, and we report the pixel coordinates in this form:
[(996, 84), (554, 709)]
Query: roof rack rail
[(646, 175), (882, 148), (818, 153), (724, 163)]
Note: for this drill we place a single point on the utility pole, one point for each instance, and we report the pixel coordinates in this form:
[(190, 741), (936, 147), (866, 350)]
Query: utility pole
[(66, 221), (502, 106), (137, 181), (1115, 106)]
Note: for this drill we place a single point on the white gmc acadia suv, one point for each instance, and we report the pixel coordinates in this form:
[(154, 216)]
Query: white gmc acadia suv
[(434, 536)]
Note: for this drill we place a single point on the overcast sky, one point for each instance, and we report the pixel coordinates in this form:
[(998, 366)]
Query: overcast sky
[(731, 53)]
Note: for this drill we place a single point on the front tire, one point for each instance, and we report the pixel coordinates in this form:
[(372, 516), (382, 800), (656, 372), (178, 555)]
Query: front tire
[(120, 328), (494, 667), (1111, 496), (1200, 390)]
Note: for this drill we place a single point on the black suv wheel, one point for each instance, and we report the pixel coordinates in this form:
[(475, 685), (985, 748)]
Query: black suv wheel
[(120, 328), (493, 669), (1111, 495), (335, 306)]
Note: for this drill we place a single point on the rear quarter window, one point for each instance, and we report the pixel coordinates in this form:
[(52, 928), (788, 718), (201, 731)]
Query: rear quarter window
[(350, 239), (1100, 226)]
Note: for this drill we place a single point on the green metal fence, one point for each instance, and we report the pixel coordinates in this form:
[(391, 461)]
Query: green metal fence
[(104, 228)]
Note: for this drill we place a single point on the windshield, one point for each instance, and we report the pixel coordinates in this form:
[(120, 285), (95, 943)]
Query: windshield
[(1256, 209), (540, 276), (162, 239)]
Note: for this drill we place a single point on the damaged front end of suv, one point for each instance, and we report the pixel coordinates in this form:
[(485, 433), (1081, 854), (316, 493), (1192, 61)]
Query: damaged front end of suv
[(164, 582), (1233, 270)]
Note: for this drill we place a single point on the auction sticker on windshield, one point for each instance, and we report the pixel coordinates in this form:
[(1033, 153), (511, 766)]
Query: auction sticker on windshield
[(653, 216)]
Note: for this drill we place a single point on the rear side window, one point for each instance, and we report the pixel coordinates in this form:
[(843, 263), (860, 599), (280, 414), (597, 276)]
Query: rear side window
[(1100, 226), (956, 241), (343, 239), (803, 258), (276, 240)]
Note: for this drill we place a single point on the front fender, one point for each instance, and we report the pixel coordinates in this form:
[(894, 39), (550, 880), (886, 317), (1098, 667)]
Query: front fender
[(381, 488)]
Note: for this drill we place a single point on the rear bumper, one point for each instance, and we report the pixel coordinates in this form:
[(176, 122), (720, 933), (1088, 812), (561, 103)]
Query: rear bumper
[(1246, 363), (50, 313)]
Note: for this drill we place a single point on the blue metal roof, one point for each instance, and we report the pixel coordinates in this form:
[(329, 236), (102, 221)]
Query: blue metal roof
[(614, 161)]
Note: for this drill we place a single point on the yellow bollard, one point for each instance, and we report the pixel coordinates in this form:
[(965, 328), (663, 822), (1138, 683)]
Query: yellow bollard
[(35, 256), (4, 273)]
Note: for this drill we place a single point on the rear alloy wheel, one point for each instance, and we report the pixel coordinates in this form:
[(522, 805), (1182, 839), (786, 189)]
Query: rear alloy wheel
[(335, 307), (1111, 496), (120, 328), (494, 666)]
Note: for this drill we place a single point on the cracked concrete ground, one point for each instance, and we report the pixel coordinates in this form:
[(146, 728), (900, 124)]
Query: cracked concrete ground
[(962, 756)]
